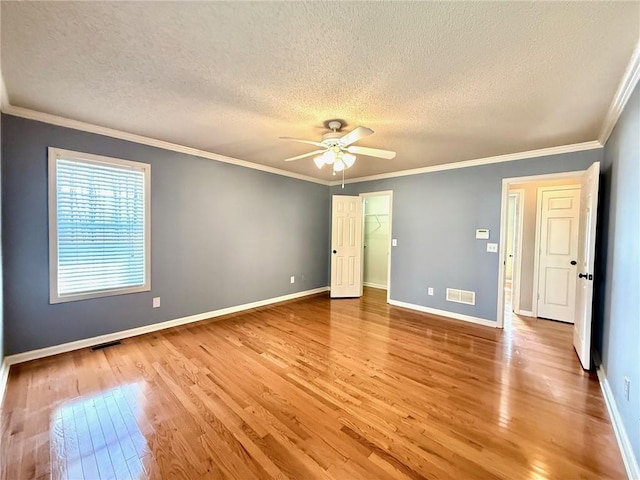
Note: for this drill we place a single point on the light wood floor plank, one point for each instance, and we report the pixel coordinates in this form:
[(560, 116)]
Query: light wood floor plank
[(314, 389)]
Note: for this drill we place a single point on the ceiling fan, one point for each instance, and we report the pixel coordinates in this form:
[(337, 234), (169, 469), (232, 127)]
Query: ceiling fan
[(337, 150)]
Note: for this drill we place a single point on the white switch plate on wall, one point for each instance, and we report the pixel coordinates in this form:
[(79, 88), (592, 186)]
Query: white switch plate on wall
[(293, 279), (492, 247), (394, 242), (156, 302), (482, 234)]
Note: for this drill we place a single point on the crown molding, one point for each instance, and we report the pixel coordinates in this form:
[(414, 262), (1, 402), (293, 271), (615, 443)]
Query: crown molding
[(132, 137), (542, 152), (625, 89)]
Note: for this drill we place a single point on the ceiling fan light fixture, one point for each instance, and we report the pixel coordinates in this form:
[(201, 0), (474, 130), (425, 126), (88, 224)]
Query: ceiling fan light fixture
[(348, 159), (329, 157), (338, 150)]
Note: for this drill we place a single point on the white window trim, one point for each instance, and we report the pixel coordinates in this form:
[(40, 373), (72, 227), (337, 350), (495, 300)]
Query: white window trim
[(54, 154)]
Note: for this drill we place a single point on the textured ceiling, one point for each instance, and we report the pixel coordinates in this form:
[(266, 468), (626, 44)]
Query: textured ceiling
[(437, 82)]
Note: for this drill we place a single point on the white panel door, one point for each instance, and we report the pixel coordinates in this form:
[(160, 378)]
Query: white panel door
[(586, 258), (559, 219), (346, 246)]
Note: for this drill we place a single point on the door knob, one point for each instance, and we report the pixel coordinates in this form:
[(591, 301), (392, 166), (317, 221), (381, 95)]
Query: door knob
[(573, 262), (335, 251), (583, 275)]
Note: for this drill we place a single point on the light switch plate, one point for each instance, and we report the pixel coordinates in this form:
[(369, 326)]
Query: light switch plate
[(492, 247), (156, 302), (394, 242)]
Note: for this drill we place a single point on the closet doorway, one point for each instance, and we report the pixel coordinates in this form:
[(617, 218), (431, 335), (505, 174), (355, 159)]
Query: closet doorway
[(376, 265)]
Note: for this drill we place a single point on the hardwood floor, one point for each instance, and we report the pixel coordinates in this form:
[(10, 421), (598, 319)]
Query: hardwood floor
[(314, 388)]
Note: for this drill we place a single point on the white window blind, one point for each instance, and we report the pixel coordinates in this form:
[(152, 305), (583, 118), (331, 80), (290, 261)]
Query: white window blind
[(101, 226)]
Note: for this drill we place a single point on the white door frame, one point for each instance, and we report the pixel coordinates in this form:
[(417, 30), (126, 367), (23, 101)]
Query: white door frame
[(506, 183), (516, 267), (382, 193), (536, 258)]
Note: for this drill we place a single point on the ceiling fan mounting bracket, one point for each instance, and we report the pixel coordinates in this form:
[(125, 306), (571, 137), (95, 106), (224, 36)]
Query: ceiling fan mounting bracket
[(335, 125), (331, 139)]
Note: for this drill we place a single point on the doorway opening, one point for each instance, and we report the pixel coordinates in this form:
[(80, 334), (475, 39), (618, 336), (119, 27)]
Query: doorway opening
[(376, 241), (376, 247), (551, 262), (361, 243), (535, 224), (513, 265)]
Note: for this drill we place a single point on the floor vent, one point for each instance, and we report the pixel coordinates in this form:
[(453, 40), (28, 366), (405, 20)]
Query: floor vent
[(461, 296), (106, 345)]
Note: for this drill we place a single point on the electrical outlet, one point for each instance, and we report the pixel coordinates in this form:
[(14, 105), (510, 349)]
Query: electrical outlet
[(293, 279), (156, 302), (430, 290), (626, 388)]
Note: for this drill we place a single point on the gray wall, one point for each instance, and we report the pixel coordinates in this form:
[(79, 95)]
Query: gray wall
[(618, 266), (222, 235), (435, 216)]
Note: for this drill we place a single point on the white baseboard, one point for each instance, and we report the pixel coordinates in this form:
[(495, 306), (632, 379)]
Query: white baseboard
[(374, 285), (110, 337), (628, 457), (524, 313), (444, 313), (4, 376)]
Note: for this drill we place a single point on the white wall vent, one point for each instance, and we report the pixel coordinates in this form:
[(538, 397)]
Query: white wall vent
[(461, 296)]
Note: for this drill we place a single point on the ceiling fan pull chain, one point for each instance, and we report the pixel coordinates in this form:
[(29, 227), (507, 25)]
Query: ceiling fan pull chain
[(343, 178)]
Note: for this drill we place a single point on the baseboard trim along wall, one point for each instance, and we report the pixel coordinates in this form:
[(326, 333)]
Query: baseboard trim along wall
[(444, 313), (525, 313), (628, 457), (374, 285), (110, 337), (4, 375)]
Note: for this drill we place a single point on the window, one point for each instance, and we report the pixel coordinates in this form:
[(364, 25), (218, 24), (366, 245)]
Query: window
[(98, 226)]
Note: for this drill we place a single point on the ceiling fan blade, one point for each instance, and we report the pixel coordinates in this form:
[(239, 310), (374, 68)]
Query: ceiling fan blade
[(372, 152), (317, 144), (304, 155), (355, 135)]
